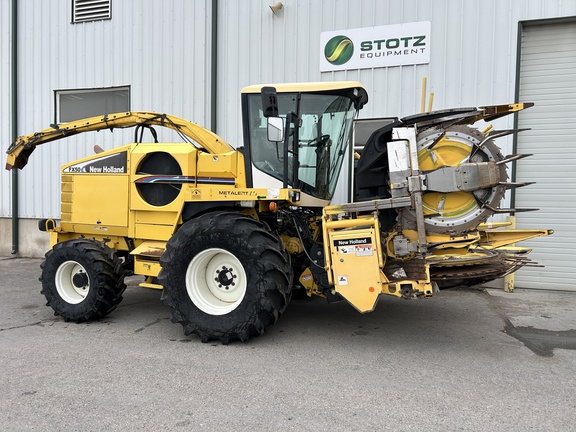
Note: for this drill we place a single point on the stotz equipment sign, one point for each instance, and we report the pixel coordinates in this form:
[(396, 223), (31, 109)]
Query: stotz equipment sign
[(374, 47)]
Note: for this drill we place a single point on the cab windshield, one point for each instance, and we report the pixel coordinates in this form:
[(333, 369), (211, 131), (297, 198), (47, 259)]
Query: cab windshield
[(323, 135)]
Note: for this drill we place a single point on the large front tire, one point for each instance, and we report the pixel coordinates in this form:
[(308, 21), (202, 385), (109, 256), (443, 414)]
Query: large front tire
[(82, 280), (226, 277)]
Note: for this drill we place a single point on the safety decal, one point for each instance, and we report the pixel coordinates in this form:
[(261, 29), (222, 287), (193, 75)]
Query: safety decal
[(346, 250), (363, 250)]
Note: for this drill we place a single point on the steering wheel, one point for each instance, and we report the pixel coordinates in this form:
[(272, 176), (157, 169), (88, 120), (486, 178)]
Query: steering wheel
[(319, 141)]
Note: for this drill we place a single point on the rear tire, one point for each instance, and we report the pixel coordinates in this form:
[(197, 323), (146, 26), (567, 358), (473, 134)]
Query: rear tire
[(82, 280), (226, 277)]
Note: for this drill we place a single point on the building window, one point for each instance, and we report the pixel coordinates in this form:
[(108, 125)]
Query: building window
[(72, 105), (91, 10)]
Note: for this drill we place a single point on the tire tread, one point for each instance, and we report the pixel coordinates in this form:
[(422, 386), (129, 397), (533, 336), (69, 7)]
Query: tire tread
[(273, 277)]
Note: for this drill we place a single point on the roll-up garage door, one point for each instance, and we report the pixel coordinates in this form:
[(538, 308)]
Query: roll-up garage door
[(548, 78)]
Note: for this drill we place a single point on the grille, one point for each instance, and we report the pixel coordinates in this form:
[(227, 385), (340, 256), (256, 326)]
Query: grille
[(91, 10)]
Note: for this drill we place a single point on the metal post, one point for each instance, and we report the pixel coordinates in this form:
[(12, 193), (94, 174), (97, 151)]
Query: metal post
[(415, 185), (15, 209), (214, 68), (509, 279)]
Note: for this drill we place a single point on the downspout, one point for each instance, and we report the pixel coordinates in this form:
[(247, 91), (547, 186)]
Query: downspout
[(214, 67), (515, 126), (15, 211), (509, 280)]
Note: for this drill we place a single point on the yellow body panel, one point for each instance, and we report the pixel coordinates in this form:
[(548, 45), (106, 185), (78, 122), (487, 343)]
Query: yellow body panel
[(98, 202), (355, 262), (221, 165), (146, 267), (235, 194), (155, 217), (307, 281), (153, 231), (151, 249), (492, 239), (147, 258), (354, 258)]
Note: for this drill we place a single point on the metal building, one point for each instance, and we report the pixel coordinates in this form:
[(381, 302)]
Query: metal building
[(191, 59)]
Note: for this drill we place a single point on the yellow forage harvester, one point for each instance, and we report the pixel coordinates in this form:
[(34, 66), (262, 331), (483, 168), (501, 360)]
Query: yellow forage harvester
[(227, 234)]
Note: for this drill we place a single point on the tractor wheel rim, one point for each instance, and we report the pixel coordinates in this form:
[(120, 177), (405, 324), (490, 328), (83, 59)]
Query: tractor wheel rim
[(216, 281), (72, 282)]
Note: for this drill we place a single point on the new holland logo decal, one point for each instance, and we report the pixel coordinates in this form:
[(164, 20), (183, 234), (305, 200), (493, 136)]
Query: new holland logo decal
[(110, 164)]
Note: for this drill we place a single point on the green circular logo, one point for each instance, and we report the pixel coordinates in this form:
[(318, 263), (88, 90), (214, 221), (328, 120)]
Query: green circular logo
[(339, 50)]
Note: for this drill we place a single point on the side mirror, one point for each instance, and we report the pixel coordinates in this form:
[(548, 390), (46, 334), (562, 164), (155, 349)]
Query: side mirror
[(269, 102), (275, 129)]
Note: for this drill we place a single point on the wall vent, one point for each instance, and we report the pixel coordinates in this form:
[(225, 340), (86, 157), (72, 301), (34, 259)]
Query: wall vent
[(91, 10)]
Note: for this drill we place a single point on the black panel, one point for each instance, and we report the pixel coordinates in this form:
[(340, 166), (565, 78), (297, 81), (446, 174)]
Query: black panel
[(159, 194), (246, 149), (372, 170)]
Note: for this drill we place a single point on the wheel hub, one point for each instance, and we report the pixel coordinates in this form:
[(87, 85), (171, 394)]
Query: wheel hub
[(80, 280), (72, 282), (225, 278), (216, 281)]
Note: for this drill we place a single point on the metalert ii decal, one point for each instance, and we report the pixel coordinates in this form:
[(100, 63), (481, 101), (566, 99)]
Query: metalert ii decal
[(111, 164)]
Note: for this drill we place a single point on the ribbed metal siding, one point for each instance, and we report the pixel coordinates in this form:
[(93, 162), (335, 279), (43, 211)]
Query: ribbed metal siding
[(472, 57), (5, 106), (160, 49), (548, 78)]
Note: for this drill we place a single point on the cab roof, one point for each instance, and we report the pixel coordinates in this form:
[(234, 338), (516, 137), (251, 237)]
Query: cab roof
[(356, 89)]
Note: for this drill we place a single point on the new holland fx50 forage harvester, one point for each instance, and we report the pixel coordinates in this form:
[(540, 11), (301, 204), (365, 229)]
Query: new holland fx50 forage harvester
[(227, 233)]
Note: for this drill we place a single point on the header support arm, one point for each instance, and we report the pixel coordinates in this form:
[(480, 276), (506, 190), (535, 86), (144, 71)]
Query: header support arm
[(22, 148)]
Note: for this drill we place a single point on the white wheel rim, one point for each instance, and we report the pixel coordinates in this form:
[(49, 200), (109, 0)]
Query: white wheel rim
[(72, 282), (216, 281)]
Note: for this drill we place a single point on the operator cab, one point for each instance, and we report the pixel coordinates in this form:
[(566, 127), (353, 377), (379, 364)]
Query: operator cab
[(296, 135)]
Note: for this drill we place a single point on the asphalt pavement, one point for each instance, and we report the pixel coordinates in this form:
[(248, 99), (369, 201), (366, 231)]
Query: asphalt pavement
[(463, 360)]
